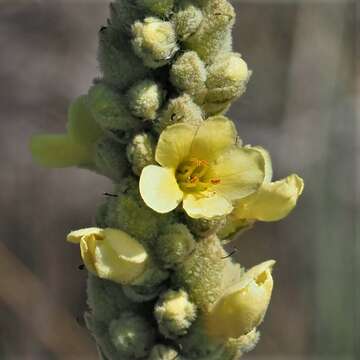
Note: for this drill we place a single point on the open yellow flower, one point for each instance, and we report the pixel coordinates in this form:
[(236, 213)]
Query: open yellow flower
[(202, 166), (110, 253)]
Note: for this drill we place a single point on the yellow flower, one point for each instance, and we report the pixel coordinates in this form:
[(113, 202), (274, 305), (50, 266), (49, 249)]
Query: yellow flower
[(272, 202), (203, 167), (110, 253), (243, 306)]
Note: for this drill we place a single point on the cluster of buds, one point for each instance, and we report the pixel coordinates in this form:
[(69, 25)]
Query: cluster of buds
[(161, 286)]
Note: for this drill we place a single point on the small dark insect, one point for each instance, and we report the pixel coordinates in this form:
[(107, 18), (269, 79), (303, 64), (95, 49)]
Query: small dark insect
[(80, 321), (173, 117), (220, 14), (231, 254), (81, 267), (110, 195)]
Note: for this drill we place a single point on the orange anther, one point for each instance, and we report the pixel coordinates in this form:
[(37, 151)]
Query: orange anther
[(215, 181)]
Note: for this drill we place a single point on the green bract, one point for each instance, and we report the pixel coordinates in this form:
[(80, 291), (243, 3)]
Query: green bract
[(160, 284)]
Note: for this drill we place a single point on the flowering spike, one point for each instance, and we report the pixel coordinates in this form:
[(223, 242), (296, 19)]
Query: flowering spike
[(160, 284)]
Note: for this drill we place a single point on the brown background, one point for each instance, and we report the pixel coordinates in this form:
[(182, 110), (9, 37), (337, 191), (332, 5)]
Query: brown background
[(301, 105)]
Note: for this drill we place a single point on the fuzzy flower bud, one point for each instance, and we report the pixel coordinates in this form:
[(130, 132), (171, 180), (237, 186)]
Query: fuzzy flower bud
[(188, 73), (154, 41), (157, 7), (127, 208), (118, 63), (139, 294), (211, 36), (243, 306), (106, 299), (187, 20), (180, 109), (132, 335), (174, 245), (152, 277), (201, 274), (227, 78), (204, 227), (110, 111), (141, 152), (163, 352), (174, 313), (110, 158), (145, 98), (110, 254)]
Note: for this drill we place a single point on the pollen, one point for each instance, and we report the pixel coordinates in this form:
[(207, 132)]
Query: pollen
[(215, 181)]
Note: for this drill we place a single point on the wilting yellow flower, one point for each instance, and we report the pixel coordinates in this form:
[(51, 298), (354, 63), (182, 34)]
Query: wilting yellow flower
[(110, 253), (273, 201), (243, 306), (76, 147), (202, 166)]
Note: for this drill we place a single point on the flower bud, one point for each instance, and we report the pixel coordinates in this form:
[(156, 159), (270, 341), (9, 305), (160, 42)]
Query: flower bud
[(132, 335), (205, 227), (227, 78), (106, 299), (243, 306), (188, 73), (110, 254), (174, 313), (127, 208), (187, 20), (157, 7), (180, 109), (163, 352), (141, 152), (123, 13), (118, 63), (152, 276), (139, 294), (154, 41), (145, 98), (212, 109), (174, 245), (211, 36), (110, 159), (201, 274), (110, 111)]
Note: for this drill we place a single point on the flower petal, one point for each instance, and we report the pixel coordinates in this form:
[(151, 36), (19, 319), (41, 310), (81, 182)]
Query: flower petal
[(241, 172), (109, 265), (174, 144), (272, 202), (57, 151), (206, 207), (267, 162), (204, 142), (159, 189), (212, 138), (76, 235), (125, 246), (81, 126)]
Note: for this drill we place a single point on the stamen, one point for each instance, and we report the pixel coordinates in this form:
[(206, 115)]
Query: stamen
[(193, 179), (215, 181)]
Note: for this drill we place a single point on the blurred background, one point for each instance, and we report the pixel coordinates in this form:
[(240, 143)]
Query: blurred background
[(301, 105)]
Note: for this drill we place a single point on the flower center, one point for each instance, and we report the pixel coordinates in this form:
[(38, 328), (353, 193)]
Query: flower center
[(191, 176)]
